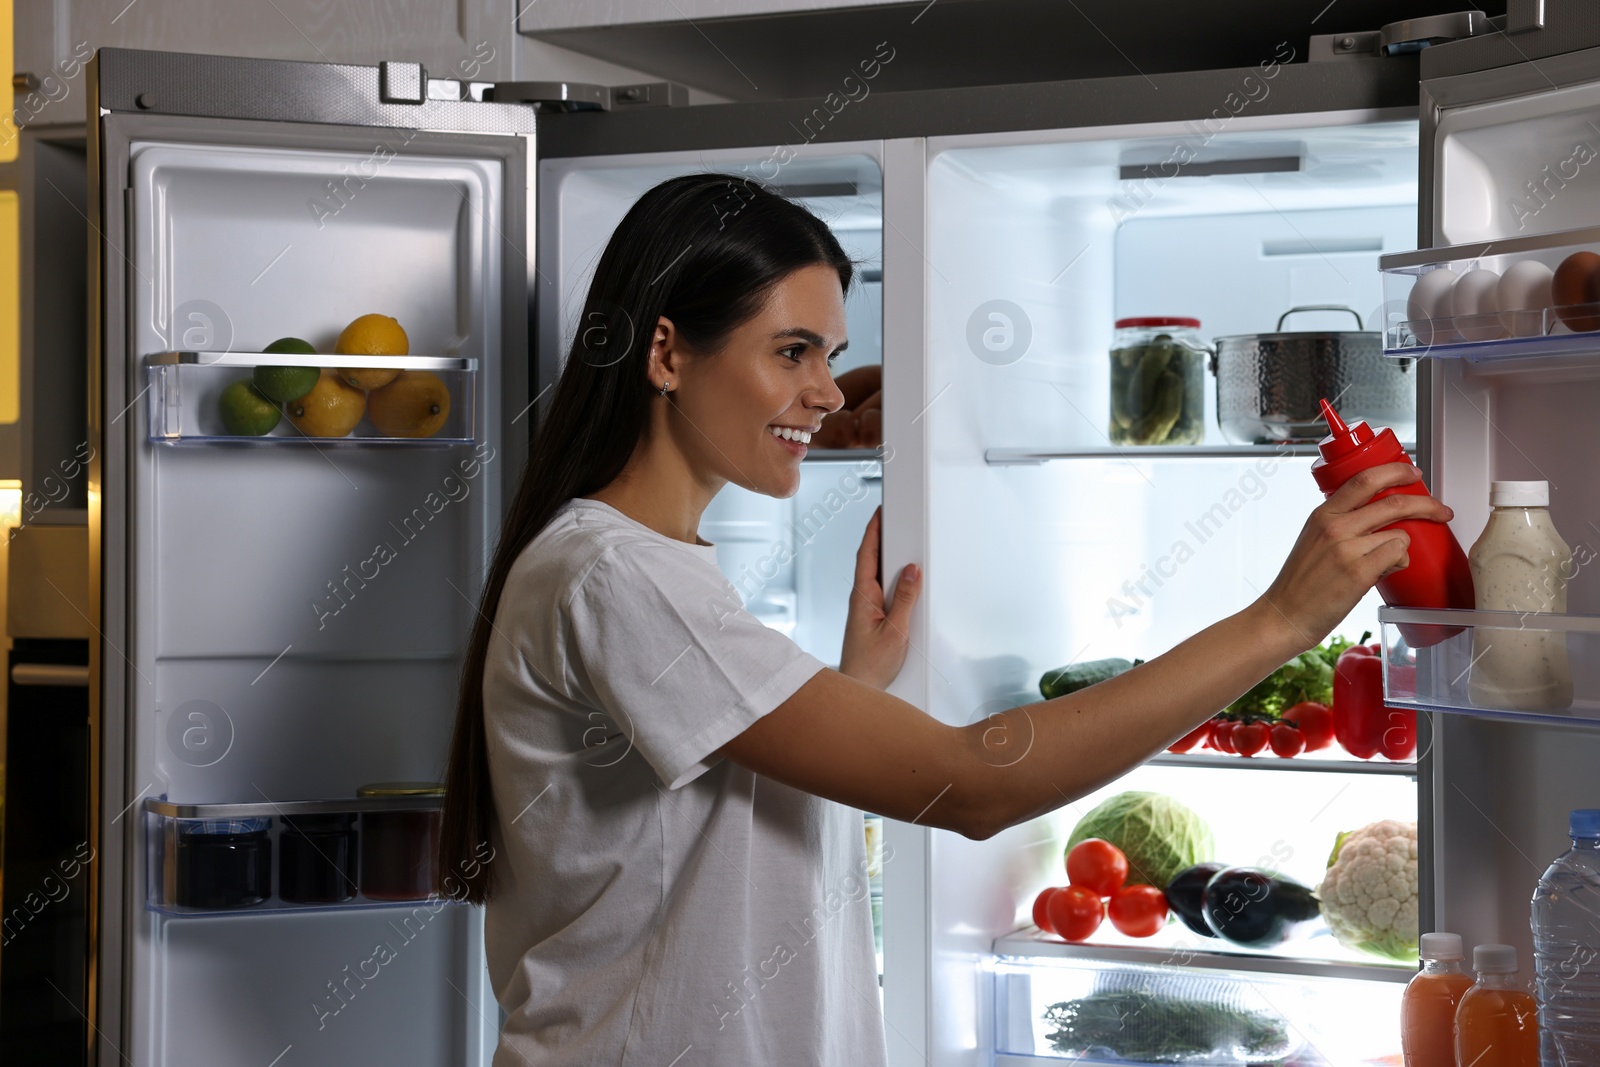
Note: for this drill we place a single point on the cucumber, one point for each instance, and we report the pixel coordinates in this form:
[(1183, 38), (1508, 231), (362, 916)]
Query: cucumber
[(1076, 676)]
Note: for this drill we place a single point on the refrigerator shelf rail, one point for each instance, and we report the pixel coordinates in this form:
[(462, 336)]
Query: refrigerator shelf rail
[(1520, 666), (1520, 297), (1017, 457), (186, 400), (1266, 762)]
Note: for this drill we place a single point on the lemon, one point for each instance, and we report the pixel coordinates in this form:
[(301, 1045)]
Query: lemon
[(371, 335), (331, 409), (245, 412), (286, 383), (416, 404)]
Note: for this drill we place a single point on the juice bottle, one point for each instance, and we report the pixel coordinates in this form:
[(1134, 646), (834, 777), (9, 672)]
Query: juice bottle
[(1428, 1011), (1497, 1020), (1437, 575)]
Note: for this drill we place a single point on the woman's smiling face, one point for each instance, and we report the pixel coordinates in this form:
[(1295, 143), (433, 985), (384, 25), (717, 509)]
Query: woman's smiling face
[(744, 413)]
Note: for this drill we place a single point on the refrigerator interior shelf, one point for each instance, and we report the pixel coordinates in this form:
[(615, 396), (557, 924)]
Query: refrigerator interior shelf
[(1004, 457), (189, 403), (1520, 297), (1030, 944), (276, 857), (1265, 761), (1525, 666)]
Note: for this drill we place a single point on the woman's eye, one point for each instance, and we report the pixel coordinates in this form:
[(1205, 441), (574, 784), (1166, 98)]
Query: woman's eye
[(832, 358), (794, 352)]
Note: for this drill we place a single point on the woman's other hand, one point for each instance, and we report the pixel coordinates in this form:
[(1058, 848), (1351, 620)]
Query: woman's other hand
[(1343, 550), (877, 634)]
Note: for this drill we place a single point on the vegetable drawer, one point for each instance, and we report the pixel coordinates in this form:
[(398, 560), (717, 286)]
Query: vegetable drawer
[(1090, 1011)]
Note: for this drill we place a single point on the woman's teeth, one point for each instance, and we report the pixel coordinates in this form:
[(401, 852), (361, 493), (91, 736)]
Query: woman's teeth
[(790, 434)]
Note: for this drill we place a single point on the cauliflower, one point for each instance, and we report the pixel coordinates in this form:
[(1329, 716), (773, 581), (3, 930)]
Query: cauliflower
[(1369, 895)]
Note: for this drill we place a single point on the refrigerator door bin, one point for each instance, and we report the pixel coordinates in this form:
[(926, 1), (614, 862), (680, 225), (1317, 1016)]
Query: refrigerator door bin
[(1532, 666), (186, 399), (1523, 296), (233, 859), (1191, 1008)]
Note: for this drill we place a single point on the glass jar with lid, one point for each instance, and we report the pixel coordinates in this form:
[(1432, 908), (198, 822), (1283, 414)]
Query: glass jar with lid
[(1158, 369), (399, 848), (222, 863)]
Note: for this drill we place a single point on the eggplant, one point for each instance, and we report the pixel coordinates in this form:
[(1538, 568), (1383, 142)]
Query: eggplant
[(1253, 908), (1185, 895)]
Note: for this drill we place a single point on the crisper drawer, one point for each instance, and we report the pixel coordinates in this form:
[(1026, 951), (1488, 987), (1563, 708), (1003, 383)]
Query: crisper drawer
[(1096, 1011)]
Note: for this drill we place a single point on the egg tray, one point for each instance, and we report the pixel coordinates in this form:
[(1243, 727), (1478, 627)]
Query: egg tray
[(1537, 295)]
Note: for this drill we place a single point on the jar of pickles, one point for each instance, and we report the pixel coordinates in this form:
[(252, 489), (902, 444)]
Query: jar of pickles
[(1158, 394)]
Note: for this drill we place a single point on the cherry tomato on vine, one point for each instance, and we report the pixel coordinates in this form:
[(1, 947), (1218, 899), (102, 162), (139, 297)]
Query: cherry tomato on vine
[(1098, 866), (1249, 738)]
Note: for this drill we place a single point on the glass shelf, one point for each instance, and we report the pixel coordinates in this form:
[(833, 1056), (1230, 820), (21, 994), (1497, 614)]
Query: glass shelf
[(1533, 666), (1488, 318), (1176, 947), (185, 396), (1267, 761), (1015, 457), (1297, 1014), (230, 859)]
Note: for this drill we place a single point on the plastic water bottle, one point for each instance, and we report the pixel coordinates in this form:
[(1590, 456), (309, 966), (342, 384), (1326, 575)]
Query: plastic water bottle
[(1566, 949)]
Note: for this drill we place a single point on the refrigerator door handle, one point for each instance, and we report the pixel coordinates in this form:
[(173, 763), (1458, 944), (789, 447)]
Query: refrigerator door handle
[(50, 674)]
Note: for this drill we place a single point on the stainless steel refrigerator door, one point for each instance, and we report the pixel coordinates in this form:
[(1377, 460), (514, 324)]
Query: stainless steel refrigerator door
[(244, 592), (1506, 152)]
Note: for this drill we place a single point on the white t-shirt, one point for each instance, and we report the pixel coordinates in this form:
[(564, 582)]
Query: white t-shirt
[(653, 904)]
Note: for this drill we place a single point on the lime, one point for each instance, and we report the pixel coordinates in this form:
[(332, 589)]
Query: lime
[(290, 346), (286, 383), (246, 413)]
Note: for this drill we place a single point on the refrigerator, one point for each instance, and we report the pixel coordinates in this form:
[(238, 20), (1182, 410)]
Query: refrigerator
[(253, 666)]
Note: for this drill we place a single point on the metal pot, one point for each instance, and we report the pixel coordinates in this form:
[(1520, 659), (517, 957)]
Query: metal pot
[(1268, 384)]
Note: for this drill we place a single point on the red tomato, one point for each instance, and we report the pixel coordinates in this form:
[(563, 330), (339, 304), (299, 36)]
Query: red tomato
[(1249, 738), (1192, 738), (1041, 909), (1138, 910), (1315, 722), (1075, 912), (1098, 866), (1222, 734), (1287, 740)]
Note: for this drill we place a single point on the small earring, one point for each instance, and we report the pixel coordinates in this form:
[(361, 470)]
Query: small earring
[(664, 386)]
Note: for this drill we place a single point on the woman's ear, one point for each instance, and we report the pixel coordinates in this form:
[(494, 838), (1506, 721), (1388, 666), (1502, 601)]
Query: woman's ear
[(665, 361)]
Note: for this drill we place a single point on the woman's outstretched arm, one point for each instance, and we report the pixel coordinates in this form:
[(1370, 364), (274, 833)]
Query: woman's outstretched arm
[(847, 740)]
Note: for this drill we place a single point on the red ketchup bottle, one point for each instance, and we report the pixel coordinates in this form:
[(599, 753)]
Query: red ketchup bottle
[(1437, 575)]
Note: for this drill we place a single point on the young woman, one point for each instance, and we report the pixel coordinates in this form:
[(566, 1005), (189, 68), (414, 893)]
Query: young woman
[(655, 794)]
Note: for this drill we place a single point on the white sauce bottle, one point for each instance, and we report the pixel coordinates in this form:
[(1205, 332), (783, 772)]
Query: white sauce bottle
[(1520, 563)]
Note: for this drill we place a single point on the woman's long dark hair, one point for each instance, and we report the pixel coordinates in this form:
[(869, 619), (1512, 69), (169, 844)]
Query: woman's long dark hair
[(703, 251)]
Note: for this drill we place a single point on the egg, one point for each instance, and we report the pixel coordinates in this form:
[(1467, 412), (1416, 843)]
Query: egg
[(1523, 295), (1473, 306), (1428, 301), (1577, 283)]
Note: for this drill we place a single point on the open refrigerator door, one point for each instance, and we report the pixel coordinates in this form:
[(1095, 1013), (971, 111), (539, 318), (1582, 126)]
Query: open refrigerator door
[(283, 590), (1508, 192)]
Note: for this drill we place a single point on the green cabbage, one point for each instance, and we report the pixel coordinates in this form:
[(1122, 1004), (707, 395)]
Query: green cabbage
[(1159, 836)]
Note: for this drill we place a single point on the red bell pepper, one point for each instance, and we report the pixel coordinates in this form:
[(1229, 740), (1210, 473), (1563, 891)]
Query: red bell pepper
[(1362, 723), (1358, 712)]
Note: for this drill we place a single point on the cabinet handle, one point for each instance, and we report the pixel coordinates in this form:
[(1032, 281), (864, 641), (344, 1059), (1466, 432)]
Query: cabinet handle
[(50, 674)]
